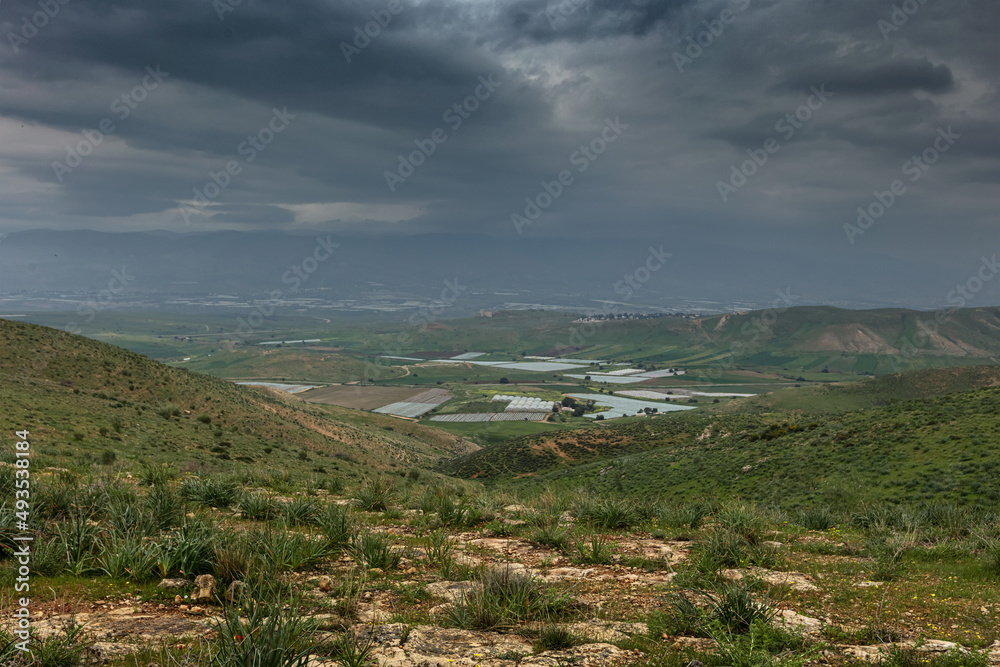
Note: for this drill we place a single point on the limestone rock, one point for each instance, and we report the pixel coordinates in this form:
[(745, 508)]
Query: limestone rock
[(170, 584), (325, 584), (205, 588)]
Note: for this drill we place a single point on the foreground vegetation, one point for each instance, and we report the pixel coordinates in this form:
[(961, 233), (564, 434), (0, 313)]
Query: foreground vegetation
[(692, 580)]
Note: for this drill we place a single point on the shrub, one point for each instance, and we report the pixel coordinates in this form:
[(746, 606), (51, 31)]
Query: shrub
[(189, 551)]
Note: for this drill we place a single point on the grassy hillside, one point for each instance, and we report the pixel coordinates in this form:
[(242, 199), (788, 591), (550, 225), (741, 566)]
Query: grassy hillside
[(886, 446), (86, 402)]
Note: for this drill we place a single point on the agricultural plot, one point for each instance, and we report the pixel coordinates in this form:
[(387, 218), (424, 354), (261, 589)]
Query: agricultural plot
[(417, 405), (611, 379), (619, 406), (360, 397), (468, 355), (469, 417), (650, 393), (290, 388), (524, 403)]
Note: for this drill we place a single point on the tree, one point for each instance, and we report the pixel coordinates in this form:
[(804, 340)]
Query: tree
[(504, 380)]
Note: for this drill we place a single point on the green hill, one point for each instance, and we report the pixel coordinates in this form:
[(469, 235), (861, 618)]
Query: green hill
[(912, 437), (87, 402)]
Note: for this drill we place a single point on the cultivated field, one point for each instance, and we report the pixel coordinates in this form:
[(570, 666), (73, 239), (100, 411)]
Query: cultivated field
[(359, 397)]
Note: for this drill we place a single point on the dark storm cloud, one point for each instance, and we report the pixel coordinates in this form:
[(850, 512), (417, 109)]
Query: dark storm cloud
[(565, 66), (881, 79)]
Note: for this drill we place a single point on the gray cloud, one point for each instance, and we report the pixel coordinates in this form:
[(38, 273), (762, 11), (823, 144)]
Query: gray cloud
[(565, 67)]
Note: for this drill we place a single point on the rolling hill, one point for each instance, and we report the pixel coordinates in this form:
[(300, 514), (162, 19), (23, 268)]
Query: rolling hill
[(87, 402), (912, 437)]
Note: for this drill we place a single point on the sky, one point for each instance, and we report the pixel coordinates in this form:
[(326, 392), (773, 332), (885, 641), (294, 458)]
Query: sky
[(767, 122)]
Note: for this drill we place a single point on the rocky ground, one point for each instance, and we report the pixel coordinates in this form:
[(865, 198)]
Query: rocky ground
[(403, 612)]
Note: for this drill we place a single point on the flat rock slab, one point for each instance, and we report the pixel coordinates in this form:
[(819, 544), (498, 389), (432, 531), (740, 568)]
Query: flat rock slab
[(794, 580), (123, 622), (608, 631), (795, 621), (452, 591)]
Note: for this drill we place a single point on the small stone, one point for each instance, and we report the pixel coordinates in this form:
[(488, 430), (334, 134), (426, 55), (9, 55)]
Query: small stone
[(205, 588), (178, 599), (325, 583), (196, 610), (173, 583), (183, 607)]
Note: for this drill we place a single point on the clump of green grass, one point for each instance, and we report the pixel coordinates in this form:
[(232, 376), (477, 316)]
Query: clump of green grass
[(594, 550), (609, 512), (257, 507), (375, 495), (722, 548), (373, 550), (503, 598), (300, 511), (817, 517), (745, 520), (219, 492), (264, 634), (337, 526), (550, 533)]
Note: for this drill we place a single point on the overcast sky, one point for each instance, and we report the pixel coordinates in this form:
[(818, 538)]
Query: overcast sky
[(672, 92)]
